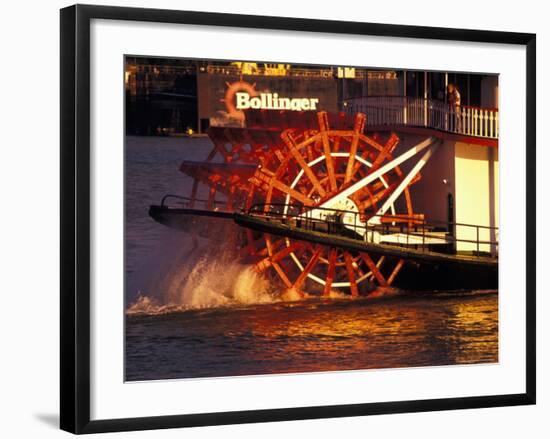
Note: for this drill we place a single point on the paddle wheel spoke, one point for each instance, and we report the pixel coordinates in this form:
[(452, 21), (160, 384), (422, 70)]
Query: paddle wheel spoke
[(282, 275), (395, 271), (323, 126), (351, 274), (307, 269), (357, 130), (374, 269), (302, 163), (331, 270), (277, 256)]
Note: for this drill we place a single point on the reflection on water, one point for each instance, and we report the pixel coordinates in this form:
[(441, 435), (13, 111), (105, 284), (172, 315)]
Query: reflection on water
[(311, 336)]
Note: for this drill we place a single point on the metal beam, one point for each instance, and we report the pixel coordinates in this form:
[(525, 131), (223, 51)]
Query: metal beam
[(376, 174), (406, 181)]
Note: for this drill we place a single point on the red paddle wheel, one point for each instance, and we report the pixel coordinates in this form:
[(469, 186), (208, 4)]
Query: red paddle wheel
[(303, 162)]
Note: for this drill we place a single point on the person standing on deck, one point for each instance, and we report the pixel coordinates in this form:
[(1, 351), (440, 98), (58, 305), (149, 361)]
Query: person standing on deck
[(453, 97)]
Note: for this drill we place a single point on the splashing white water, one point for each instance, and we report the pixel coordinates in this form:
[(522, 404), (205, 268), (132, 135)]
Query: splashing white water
[(218, 282), (212, 281)]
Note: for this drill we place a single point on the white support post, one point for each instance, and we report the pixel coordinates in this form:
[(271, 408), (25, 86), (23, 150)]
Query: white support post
[(446, 84), (425, 99), (405, 104), (446, 113)]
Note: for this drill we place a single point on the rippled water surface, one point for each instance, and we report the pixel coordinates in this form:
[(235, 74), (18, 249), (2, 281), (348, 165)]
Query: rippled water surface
[(302, 337), (194, 310)]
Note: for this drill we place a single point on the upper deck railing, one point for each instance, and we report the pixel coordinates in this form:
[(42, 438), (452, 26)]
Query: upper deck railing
[(419, 112)]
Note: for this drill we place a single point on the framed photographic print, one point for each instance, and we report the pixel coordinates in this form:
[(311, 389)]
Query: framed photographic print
[(268, 218)]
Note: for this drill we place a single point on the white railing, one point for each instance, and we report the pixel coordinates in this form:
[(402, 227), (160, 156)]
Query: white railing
[(419, 112)]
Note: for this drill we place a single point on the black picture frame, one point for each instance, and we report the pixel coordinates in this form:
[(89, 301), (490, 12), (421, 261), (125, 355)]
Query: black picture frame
[(75, 217)]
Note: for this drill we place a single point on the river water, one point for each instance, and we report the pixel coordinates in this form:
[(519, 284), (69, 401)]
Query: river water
[(194, 310)]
